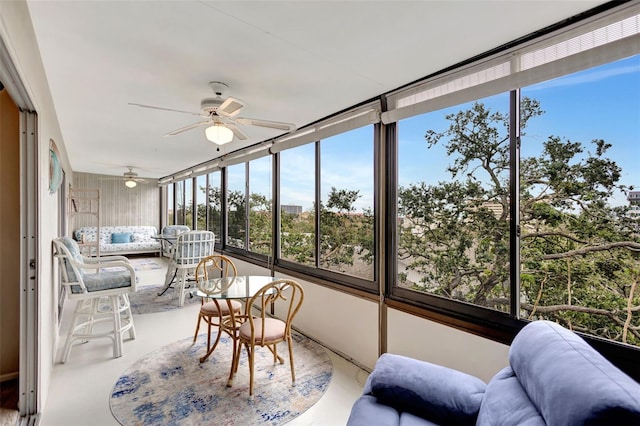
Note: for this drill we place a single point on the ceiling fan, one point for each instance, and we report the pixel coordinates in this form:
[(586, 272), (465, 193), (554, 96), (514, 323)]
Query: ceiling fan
[(221, 117), (132, 179)]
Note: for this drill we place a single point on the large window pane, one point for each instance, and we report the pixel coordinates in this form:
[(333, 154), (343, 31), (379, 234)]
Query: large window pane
[(179, 186), (580, 245), (346, 208), (170, 203), (453, 203), (188, 203), (297, 212), (201, 202), (260, 205), (236, 207), (214, 209)]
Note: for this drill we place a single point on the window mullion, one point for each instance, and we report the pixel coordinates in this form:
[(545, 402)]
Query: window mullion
[(514, 178)]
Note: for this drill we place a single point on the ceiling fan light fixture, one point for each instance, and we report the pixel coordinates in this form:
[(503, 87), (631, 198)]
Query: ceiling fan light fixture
[(219, 134), (130, 183)]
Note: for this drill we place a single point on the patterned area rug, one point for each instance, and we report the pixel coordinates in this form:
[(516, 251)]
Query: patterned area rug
[(147, 301), (139, 265), (170, 386)]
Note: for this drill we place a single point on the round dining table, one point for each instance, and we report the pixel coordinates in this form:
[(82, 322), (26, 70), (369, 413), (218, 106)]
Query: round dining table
[(239, 287)]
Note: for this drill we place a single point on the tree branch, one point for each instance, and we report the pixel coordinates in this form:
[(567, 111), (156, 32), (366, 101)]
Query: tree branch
[(621, 244), (553, 234)]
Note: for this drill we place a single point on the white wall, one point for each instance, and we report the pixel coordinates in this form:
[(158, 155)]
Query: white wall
[(17, 33), (429, 341), (349, 325)]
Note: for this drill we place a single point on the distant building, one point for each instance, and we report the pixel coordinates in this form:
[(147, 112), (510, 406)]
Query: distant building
[(291, 209), (634, 204)]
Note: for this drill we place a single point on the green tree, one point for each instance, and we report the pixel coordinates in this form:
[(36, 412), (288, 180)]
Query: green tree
[(236, 218), (346, 237), (260, 224), (579, 254)]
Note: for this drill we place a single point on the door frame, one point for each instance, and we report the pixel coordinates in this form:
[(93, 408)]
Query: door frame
[(29, 371)]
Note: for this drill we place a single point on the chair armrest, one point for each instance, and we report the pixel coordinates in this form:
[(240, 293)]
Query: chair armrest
[(436, 393)]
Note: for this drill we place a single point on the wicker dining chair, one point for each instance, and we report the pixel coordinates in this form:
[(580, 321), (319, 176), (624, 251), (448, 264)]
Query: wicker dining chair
[(263, 330), (211, 311)]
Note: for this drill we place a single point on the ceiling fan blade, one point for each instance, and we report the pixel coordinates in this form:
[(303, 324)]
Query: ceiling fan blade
[(237, 132), (165, 109), (189, 127), (289, 127), (230, 107)]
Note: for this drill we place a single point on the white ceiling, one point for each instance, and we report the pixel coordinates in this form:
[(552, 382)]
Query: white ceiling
[(292, 61)]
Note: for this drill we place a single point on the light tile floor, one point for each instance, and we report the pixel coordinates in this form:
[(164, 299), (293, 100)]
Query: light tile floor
[(80, 389)]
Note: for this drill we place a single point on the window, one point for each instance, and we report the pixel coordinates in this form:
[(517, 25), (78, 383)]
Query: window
[(201, 202), (170, 205), (260, 205), (453, 203), (180, 207), (346, 206), (236, 205), (214, 207), (580, 152), (297, 207), (188, 203)]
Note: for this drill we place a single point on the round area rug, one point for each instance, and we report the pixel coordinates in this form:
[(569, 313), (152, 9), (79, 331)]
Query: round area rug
[(147, 301), (171, 386)]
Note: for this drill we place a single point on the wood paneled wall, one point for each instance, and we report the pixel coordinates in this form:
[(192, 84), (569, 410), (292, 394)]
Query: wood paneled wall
[(120, 205)]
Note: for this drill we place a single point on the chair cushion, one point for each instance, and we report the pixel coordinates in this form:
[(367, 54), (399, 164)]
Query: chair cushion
[(74, 251), (210, 308), (105, 281), (273, 329), (120, 237), (174, 229)]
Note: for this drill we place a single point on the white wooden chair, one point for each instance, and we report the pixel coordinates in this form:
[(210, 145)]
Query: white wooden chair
[(90, 290), (189, 249)]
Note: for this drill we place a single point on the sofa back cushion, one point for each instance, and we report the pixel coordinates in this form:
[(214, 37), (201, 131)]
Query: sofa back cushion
[(433, 392), (569, 381)]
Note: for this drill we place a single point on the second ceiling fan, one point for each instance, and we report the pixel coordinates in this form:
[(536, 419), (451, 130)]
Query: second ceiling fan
[(221, 117)]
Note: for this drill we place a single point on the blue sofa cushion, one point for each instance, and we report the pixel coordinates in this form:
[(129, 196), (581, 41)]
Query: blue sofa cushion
[(433, 392), (506, 403), (568, 381)]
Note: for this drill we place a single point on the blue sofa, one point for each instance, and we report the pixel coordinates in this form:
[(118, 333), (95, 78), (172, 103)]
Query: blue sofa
[(554, 378)]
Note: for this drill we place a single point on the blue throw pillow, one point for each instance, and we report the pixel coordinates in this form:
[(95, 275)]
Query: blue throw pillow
[(120, 237)]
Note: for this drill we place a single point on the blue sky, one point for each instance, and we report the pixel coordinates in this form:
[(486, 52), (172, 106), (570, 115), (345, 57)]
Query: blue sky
[(599, 103)]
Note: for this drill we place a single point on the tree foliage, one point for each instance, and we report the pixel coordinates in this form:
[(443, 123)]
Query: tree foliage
[(579, 255)]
